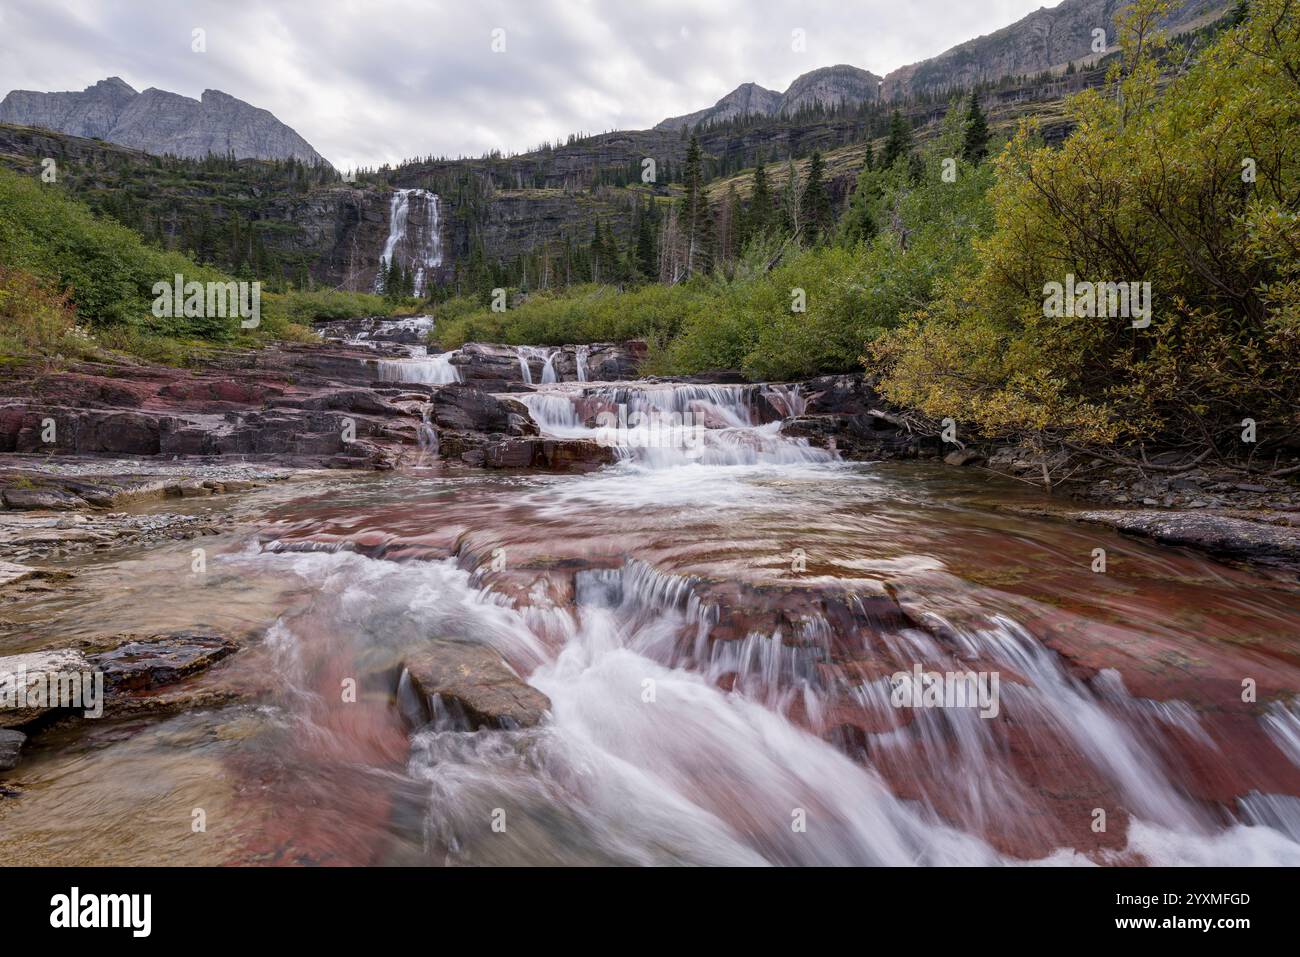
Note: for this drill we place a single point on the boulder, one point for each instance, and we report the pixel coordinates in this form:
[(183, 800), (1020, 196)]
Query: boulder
[(471, 686), (963, 457), (41, 498), (1217, 534), (581, 455), (26, 672), (11, 745), (487, 365), (160, 660), (843, 394), (854, 435), (463, 407)]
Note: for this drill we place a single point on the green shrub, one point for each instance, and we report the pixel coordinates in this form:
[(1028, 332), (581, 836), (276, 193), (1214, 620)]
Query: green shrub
[(1149, 188)]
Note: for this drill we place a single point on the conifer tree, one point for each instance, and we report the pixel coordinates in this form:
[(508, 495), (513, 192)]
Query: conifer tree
[(695, 213), (899, 142), (815, 203), (760, 204), (976, 146)]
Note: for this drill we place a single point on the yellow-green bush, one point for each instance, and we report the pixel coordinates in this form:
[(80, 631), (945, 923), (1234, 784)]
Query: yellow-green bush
[(1149, 188)]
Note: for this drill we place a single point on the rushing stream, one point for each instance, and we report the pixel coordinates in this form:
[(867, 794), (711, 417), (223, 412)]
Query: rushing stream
[(716, 620)]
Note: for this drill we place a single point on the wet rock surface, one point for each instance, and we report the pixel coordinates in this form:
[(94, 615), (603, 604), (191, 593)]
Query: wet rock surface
[(497, 368), (137, 675), (464, 407), (1218, 534), (23, 677), (846, 413), (11, 746), (161, 660), (473, 687)]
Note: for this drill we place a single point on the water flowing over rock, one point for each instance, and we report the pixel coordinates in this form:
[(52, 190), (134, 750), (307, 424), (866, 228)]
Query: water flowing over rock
[(414, 238), (420, 367), (378, 330), (661, 425), (500, 367)]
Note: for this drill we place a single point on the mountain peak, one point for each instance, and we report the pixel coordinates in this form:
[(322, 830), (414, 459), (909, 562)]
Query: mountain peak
[(159, 121), (1047, 38), (826, 86)]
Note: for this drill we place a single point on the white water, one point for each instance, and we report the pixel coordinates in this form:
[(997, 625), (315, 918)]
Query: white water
[(547, 356), (376, 330), (421, 367), (581, 354), (698, 775), (420, 252), (665, 426)]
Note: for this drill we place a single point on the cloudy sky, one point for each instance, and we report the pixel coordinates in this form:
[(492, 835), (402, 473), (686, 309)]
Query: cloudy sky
[(369, 81)]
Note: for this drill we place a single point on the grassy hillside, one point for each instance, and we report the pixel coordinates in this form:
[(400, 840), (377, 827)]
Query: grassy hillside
[(73, 283)]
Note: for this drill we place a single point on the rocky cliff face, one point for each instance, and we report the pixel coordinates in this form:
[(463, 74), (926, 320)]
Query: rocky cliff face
[(159, 122), (92, 112)]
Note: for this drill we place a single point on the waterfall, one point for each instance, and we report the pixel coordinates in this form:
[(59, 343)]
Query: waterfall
[(663, 426), (425, 369), (417, 253), (427, 435), (548, 363), (581, 354)]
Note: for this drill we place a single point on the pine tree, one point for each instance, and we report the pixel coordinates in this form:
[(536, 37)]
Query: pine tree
[(597, 253), (646, 254), (732, 217), (791, 215), (705, 239), (760, 204), (695, 211), (815, 203), (899, 142), (860, 221), (976, 146)]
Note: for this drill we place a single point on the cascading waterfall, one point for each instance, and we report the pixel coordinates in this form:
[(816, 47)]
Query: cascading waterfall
[(420, 367), (418, 253), (710, 772), (662, 426), (770, 688), (547, 357), (581, 354)]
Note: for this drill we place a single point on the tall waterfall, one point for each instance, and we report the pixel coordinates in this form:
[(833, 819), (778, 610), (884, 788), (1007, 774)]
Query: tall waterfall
[(418, 251)]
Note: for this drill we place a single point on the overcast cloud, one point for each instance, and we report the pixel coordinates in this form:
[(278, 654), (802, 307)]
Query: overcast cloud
[(380, 81)]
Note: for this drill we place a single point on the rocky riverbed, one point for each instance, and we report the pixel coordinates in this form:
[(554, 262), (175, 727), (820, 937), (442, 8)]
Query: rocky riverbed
[(449, 578)]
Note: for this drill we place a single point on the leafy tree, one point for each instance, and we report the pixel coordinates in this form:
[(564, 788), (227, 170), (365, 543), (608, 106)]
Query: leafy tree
[(1193, 191)]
